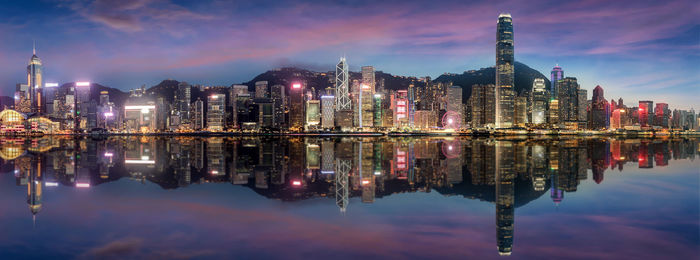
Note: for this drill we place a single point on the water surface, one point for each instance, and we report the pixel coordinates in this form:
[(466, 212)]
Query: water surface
[(375, 198)]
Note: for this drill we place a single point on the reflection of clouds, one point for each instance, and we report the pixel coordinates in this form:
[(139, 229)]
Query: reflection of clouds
[(116, 249)]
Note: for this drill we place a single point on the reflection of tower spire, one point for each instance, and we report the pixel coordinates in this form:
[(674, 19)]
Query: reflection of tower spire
[(341, 184)]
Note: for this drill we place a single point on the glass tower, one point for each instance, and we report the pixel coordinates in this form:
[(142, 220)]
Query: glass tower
[(504, 72)]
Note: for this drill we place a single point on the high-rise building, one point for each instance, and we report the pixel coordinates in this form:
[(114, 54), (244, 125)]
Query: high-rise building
[(400, 110), (377, 107), (662, 115), (51, 95), (279, 100), (483, 102), (183, 99), (520, 113), (454, 99), (646, 112), (539, 102), (216, 104), (296, 107), (34, 80), (342, 95), (568, 99), (313, 114), (368, 78), (505, 93), (261, 89), (328, 112), (198, 117), (553, 119), (582, 106), (557, 74), (600, 110)]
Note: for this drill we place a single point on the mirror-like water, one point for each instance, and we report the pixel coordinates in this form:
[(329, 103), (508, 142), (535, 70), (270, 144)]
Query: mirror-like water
[(172, 197)]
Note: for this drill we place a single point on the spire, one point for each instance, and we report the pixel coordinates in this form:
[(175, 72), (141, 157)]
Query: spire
[(34, 47)]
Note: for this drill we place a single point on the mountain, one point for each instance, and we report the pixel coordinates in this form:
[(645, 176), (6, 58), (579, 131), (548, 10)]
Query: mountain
[(524, 76), (115, 95)]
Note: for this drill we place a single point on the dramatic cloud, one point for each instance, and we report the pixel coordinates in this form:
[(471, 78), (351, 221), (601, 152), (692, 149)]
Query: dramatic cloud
[(134, 42)]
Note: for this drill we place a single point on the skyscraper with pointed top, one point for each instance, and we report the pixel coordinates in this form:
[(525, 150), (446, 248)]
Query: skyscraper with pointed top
[(505, 92), (34, 80)]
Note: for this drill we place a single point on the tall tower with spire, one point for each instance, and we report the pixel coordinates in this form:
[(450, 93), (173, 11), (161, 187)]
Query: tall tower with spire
[(34, 80)]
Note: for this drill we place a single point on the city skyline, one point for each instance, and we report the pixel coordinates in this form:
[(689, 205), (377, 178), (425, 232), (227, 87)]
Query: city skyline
[(130, 43)]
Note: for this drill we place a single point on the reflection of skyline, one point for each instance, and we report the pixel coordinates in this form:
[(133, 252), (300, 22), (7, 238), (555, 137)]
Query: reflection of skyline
[(509, 173)]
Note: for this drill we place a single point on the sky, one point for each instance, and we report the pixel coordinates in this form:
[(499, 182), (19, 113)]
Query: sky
[(637, 50)]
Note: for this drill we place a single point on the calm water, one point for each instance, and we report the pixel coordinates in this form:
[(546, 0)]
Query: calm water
[(455, 198)]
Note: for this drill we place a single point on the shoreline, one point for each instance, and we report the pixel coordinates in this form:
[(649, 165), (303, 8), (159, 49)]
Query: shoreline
[(382, 134)]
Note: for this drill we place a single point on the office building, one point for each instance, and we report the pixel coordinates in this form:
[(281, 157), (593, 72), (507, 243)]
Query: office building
[(328, 112), (483, 102), (216, 104), (539, 102)]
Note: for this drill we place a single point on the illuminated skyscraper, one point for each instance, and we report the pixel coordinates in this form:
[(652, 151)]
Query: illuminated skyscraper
[(568, 89), (483, 101), (539, 102), (342, 95), (34, 80), (368, 78), (216, 112), (662, 115), (600, 110), (261, 89), (505, 93), (296, 107), (328, 112), (183, 97), (313, 114), (557, 74), (646, 112)]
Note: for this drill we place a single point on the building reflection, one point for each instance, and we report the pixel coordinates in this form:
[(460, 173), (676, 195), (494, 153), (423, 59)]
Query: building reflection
[(507, 172)]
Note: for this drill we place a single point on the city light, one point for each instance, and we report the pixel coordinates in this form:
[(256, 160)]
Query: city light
[(82, 185), (139, 162), (365, 86), (365, 182), (296, 183), (109, 114), (139, 107), (51, 85), (296, 85), (377, 173), (327, 96), (82, 84), (108, 154), (51, 184)]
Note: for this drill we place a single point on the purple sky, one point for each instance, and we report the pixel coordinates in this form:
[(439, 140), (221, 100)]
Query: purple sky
[(634, 49)]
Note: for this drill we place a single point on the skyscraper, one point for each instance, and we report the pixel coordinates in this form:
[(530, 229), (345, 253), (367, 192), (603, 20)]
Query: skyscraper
[(296, 107), (216, 112), (600, 117), (34, 80), (646, 110), (504, 72), (483, 101), (662, 115), (342, 95), (539, 102), (183, 97), (568, 89), (557, 74), (328, 112), (368, 78), (261, 89)]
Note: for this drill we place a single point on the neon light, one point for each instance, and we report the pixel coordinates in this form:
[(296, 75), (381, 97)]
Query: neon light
[(139, 162), (296, 183), (82, 84), (109, 154), (51, 184), (108, 114), (327, 172), (365, 182), (377, 95), (214, 172), (144, 158), (82, 185), (377, 173), (138, 107), (50, 85), (296, 85), (214, 97), (327, 96)]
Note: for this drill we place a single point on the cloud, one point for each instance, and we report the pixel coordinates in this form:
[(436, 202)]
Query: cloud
[(117, 249)]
